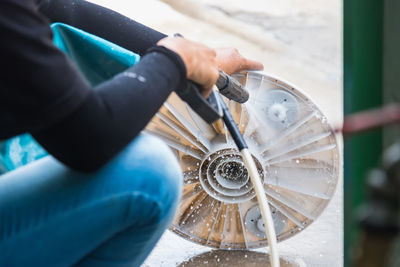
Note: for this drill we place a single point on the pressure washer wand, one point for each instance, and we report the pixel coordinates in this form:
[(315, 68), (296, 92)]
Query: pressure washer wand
[(255, 180)]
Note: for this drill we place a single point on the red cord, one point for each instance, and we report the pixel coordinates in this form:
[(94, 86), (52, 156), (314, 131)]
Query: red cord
[(370, 119)]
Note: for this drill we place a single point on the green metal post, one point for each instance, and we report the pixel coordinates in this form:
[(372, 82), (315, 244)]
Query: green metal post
[(363, 29)]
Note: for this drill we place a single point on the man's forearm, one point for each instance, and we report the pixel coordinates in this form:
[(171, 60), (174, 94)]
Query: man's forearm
[(102, 22), (114, 113)]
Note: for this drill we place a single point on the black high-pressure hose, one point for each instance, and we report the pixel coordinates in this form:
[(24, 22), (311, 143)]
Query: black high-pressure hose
[(231, 125)]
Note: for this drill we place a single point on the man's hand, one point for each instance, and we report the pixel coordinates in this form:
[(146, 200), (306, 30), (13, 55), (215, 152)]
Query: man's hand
[(231, 61), (202, 63)]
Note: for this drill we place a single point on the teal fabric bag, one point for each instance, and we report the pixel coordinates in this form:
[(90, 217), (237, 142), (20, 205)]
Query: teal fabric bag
[(96, 58)]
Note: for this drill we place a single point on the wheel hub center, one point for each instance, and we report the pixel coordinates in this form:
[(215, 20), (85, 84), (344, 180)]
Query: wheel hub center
[(224, 176), (233, 171)]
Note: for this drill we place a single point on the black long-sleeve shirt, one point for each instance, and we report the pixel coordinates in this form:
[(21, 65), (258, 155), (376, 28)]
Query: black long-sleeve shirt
[(43, 93)]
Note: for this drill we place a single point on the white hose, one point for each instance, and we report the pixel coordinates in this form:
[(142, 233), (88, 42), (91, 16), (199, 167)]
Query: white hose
[(264, 207)]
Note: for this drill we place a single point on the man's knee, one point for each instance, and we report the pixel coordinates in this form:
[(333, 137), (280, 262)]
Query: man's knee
[(153, 168)]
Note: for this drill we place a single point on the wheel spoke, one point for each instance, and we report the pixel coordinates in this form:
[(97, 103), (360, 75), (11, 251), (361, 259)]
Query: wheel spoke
[(285, 212), (177, 128), (273, 141), (312, 150), (288, 202), (190, 127), (174, 143), (306, 140), (313, 182)]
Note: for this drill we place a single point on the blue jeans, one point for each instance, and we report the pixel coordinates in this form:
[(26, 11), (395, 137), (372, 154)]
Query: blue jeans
[(53, 216)]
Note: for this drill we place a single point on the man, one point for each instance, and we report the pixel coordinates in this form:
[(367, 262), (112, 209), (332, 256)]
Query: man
[(115, 192)]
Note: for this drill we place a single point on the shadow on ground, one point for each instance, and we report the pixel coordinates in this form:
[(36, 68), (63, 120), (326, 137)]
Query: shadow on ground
[(231, 258)]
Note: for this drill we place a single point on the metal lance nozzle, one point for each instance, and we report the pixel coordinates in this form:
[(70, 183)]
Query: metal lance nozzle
[(231, 88)]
